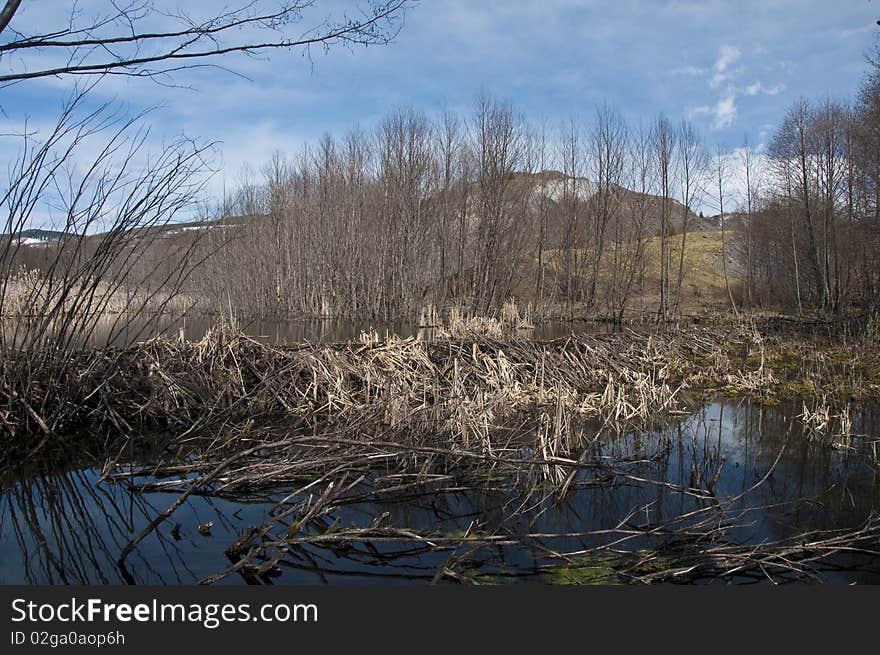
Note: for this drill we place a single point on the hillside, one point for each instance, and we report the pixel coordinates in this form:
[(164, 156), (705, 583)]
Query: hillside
[(33, 237), (561, 191), (703, 286)]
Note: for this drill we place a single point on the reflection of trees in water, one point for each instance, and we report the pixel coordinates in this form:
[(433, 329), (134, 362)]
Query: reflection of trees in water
[(819, 487), (724, 449), (66, 528), (69, 530)]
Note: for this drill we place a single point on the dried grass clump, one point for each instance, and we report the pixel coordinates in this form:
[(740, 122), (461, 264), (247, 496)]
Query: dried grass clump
[(461, 390), (829, 426), (459, 325), (512, 317), (816, 420), (21, 292)]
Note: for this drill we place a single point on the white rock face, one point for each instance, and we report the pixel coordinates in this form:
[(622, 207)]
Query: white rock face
[(556, 189)]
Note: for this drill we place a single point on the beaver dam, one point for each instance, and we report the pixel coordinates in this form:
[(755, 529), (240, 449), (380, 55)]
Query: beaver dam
[(690, 456)]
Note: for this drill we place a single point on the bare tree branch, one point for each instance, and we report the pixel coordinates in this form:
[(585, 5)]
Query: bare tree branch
[(116, 43), (8, 12)]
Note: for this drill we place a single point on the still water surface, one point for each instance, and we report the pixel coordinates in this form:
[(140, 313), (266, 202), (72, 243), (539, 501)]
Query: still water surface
[(67, 528)]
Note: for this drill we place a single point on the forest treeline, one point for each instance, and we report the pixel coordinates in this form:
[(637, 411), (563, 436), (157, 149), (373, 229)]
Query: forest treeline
[(814, 234), (472, 210), (592, 217)]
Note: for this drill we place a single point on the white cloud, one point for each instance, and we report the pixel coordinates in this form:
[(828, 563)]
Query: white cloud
[(759, 88), (726, 56), (723, 111), (724, 73)]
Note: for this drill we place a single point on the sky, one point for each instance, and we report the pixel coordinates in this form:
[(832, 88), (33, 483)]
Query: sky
[(730, 67)]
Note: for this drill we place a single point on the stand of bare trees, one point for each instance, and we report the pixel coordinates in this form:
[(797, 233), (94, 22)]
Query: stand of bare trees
[(814, 238), (587, 221), (595, 219), (93, 183), (470, 210)]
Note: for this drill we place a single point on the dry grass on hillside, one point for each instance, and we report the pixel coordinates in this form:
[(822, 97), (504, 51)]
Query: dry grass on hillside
[(703, 276)]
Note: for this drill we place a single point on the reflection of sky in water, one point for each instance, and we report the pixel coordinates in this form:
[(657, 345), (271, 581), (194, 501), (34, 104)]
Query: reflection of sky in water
[(68, 529)]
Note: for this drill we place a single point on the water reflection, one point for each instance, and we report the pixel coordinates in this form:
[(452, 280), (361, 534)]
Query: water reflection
[(70, 528)]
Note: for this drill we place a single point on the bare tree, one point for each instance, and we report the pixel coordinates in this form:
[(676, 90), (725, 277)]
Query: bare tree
[(664, 152), (640, 171), (608, 143), (692, 166), (405, 161), (746, 154), (573, 191), (141, 38), (793, 142), (720, 178), (500, 139), (828, 131), (448, 146), (543, 213)]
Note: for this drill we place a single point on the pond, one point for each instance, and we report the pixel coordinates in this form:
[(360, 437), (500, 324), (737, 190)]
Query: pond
[(69, 527)]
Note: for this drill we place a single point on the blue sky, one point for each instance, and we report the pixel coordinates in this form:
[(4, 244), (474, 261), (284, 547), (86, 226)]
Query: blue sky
[(731, 67)]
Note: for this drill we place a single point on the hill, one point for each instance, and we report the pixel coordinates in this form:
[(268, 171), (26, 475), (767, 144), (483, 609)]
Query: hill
[(33, 237), (561, 190)]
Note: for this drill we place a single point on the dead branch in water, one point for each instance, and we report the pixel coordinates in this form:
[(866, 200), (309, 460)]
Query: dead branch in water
[(530, 421)]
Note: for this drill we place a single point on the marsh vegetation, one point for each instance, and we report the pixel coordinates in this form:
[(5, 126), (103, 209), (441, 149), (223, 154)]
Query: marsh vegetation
[(642, 506), (266, 455), (459, 349)]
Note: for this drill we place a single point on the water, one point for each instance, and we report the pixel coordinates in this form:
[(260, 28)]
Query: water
[(66, 527)]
